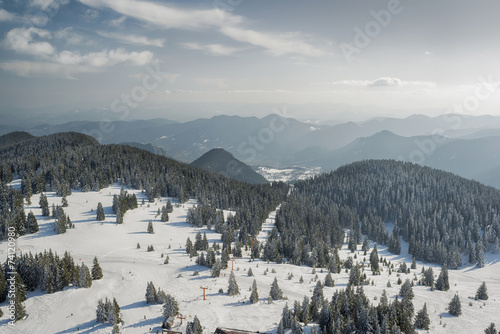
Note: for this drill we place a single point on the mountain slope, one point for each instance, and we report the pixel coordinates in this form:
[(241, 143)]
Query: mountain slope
[(15, 137), (224, 163)]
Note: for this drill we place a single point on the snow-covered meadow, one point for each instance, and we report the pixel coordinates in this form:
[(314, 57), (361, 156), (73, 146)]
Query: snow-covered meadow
[(127, 270)]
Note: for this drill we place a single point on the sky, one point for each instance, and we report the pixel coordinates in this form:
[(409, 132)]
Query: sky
[(382, 57)]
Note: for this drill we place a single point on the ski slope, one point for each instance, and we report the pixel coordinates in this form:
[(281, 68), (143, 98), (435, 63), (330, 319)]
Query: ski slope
[(127, 270)]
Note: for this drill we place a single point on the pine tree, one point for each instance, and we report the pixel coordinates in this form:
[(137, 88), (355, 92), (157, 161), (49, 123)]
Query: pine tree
[(44, 204), (19, 298), (170, 309), (329, 282), (482, 292), (3, 286), (194, 327), (491, 329), (96, 270), (455, 307), (233, 285), (161, 296), (275, 292), (428, 279), (216, 268), (366, 245), (250, 272), (164, 214), (254, 296), (31, 224), (151, 294), (406, 291), (85, 279), (115, 316), (442, 282), (317, 301), (169, 207), (100, 212), (119, 216), (150, 227), (414, 263), (480, 255), (374, 260), (422, 320)]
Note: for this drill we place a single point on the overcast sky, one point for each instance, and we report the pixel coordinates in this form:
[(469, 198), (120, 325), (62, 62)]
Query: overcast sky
[(407, 55)]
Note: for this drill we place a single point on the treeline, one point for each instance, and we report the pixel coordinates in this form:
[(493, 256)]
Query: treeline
[(439, 214), (12, 213), (66, 161)]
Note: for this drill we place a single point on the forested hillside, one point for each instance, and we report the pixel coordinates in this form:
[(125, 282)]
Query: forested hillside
[(66, 161), (442, 216)]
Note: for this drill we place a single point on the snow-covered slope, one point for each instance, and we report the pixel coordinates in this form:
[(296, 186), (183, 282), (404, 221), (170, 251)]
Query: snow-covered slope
[(128, 269)]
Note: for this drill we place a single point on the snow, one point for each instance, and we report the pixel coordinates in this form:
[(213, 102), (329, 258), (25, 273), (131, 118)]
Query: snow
[(127, 270)]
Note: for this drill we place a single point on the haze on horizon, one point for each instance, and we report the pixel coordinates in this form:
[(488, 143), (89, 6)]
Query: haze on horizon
[(181, 60)]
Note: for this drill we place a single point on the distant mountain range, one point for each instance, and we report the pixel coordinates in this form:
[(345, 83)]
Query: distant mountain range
[(224, 163), (467, 145)]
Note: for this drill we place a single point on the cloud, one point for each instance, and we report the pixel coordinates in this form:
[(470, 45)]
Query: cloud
[(90, 14), (170, 77), (276, 44), (34, 69), (22, 40), (44, 4), (212, 82), (165, 16), (6, 16), (169, 17), (117, 23), (133, 39), (105, 58), (213, 49), (380, 82), (69, 36)]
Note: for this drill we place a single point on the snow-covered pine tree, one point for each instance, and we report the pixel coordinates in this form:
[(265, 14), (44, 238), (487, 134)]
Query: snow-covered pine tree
[(216, 268), (151, 294), (374, 260), (101, 314), (455, 307), (254, 296), (329, 282), (275, 292), (100, 212), (115, 316), (164, 214), (482, 292), (233, 288), (96, 270), (150, 227), (85, 279), (31, 223), (161, 296), (44, 204), (250, 272), (169, 207), (491, 329), (317, 301), (422, 320), (170, 309), (443, 283), (194, 327)]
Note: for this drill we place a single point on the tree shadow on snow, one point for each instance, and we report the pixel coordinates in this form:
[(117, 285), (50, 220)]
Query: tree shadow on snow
[(85, 328), (153, 323), (134, 305)]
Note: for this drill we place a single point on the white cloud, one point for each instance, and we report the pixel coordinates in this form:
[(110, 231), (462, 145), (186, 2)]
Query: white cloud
[(117, 23), (22, 40), (91, 14), (213, 49), (133, 39), (69, 36), (380, 82), (170, 77), (276, 44), (166, 16), (6, 16), (211, 82), (105, 58), (44, 4), (34, 69), (169, 17)]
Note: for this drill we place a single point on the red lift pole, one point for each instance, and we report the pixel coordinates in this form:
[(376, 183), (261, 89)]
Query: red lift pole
[(232, 264), (203, 292), (181, 317)]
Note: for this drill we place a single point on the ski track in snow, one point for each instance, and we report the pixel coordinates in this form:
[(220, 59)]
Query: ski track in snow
[(127, 270)]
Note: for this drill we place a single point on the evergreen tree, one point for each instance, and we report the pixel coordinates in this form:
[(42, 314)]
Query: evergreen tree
[(115, 316), (422, 320), (100, 212), (3, 286), (119, 216), (31, 224), (164, 214), (151, 294), (216, 268), (233, 285), (19, 298), (194, 327), (374, 260), (250, 272), (150, 227), (491, 329), (455, 307), (169, 208), (44, 204), (329, 282), (317, 301), (428, 279), (275, 292), (254, 296), (414, 263), (482, 292), (442, 282), (96, 270), (85, 279), (170, 309), (366, 245)]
